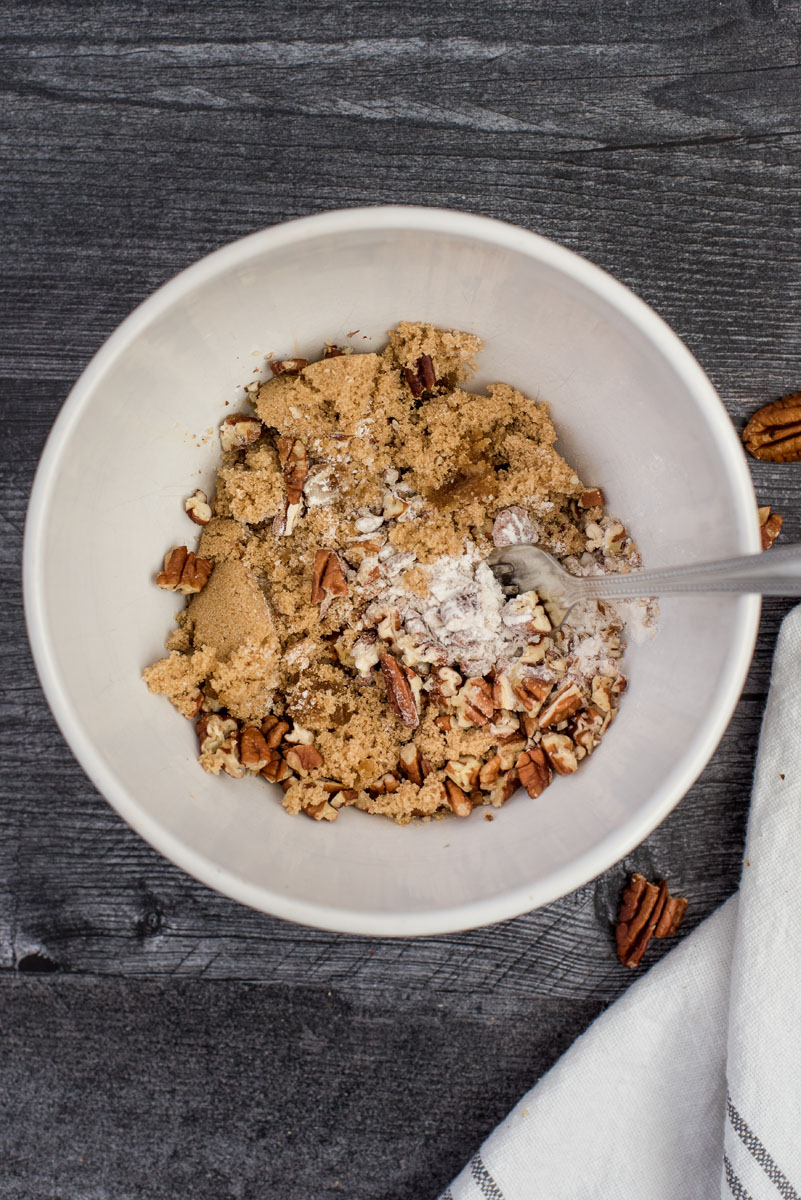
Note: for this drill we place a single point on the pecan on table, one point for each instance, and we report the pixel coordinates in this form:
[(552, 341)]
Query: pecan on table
[(774, 431), (646, 910), (770, 526)]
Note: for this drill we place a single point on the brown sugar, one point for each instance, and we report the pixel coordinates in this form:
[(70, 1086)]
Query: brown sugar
[(411, 687)]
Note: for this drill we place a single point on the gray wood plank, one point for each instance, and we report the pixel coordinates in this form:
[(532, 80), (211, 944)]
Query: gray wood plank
[(112, 1089)]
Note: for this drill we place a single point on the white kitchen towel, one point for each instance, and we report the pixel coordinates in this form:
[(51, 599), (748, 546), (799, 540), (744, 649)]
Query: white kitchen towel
[(689, 1086)]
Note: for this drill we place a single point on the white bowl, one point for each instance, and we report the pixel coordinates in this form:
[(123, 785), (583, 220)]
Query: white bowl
[(636, 415)]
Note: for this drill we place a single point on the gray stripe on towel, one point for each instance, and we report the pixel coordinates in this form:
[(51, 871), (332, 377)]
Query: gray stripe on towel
[(488, 1186), (735, 1187), (760, 1154)]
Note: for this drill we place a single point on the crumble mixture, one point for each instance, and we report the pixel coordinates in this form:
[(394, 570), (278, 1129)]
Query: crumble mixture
[(343, 635)]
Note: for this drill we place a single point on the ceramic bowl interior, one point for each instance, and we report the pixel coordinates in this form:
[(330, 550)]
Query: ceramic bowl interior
[(635, 414)]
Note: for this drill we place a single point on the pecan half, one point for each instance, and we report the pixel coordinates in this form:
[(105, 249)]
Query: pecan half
[(458, 802), (399, 691), (288, 366), (254, 753), (770, 526), (534, 772), (644, 909), (303, 758), (774, 431), (183, 572), (295, 466)]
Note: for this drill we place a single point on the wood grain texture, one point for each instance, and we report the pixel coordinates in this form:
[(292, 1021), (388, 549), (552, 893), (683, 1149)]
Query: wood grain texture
[(663, 141)]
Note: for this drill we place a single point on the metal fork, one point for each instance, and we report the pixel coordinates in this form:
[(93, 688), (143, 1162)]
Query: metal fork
[(525, 568)]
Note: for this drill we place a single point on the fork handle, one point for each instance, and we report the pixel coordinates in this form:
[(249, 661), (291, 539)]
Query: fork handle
[(775, 574)]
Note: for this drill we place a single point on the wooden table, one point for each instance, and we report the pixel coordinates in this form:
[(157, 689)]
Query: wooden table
[(157, 1040)]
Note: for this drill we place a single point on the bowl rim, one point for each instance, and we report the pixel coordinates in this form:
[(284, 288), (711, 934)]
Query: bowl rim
[(516, 901)]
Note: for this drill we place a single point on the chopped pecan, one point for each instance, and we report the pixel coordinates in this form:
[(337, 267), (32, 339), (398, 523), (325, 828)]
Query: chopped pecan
[(566, 702), (227, 758), (399, 691), (530, 725), (770, 526), (423, 378), (774, 431), (198, 508), (644, 909), (303, 758), (328, 579), (285, 520), (505, 724), (174, 561), (490, 773), (183, 572), (213, 730), (393, 506), (274, 730), (365, 652), (592, 498), (345, 796), (506, 786), (332, 350), (385, 785), (254, 753), (294, 465), (458, 802), (534, 772), (240, 430), (443, 684), (357, 552), (586, 729), (513, 527), (561, 752), (464, 773), (602, 693), (299, 736), (288, 366), (510, 748), (503, 695), (534, 652), (474, 702), (323, 810), (414, 764), (275, 769), (531, 691)]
